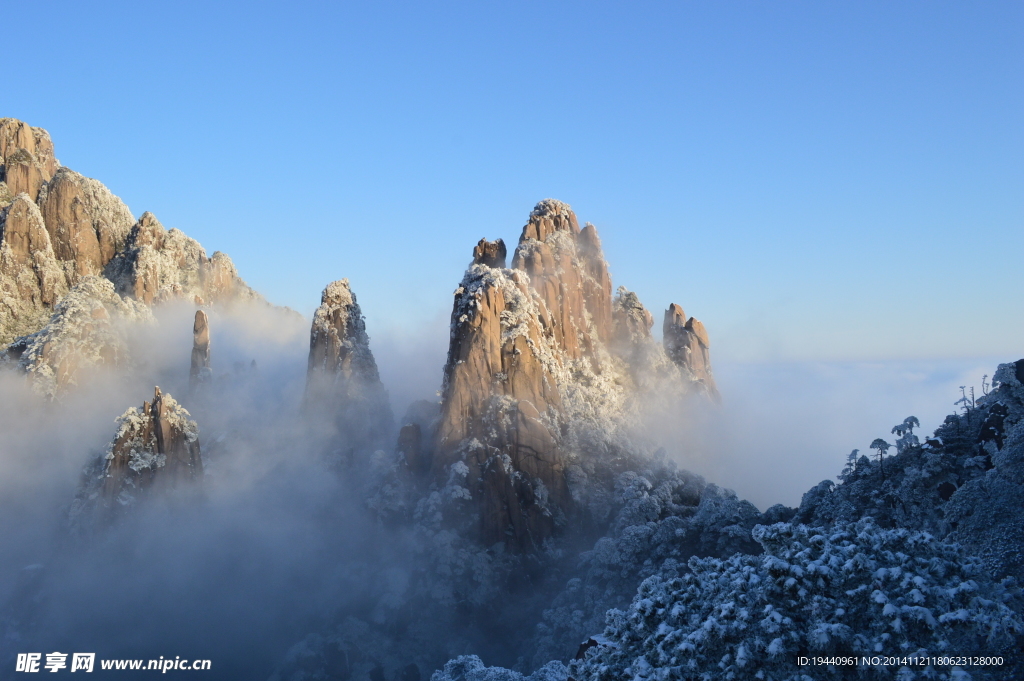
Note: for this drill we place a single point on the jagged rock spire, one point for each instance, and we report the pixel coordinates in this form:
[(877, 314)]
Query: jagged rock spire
[(342, 377), (89, 232), (514, 335), (155, 450), (199, 372), (686, 343), (490, 253), (540, 356), (26, 154)]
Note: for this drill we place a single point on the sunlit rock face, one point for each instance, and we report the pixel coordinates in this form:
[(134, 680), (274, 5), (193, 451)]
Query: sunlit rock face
[(541, 359), (158, 265), (58, 227), (155, 451), (86, 333), (686, 343), (26, 155), (199, 370), (342, 380), (31, 278)]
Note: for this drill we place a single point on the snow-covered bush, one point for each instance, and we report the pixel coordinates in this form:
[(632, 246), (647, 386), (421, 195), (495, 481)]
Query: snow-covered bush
[(665, 517), (854, 590), (471, 668)]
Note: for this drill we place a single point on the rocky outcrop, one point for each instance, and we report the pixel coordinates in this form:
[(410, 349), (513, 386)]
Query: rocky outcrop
[(569, 273), (686, 343), (500, 405), (527, 362), (26, 155), (199, 372), (154, 451), (542, 364), (342, 378), (490, 253), (86, 332), (157, 265), (89, 232), (87, 224), (31, 278)]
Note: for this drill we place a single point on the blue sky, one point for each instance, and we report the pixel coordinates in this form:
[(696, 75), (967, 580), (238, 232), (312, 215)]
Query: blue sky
[(815, 181)]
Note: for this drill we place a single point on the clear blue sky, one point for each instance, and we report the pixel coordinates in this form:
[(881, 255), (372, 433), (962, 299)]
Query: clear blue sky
[(813, 180)]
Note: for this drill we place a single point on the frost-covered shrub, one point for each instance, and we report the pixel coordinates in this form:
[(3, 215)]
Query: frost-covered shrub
[(471, 668), (855, 590), (665, 517)]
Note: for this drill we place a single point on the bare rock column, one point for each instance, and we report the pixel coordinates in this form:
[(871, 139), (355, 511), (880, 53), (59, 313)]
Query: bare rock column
[(31, 278), (199, 372), (342, 379), (155, 451), (687, 344)]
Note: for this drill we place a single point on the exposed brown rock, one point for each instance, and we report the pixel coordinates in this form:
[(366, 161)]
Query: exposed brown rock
[(31, 279), (154, 451), (490, 253), (199, 372), (86, 332), (15, 134), (23, 173), (342, 377), (687, 344), (547, 252), (540, 359), (157, 265), (87, 224), (517, 337), (497, 405), (597, 286), (633, 321), (26, 154)]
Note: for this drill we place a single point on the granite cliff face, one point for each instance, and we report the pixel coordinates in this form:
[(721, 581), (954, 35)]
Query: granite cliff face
[(157, 265), (686, 343), (58, 227), (342, 381), (32, 280), (77, 269), (86, 332), (27, 157), (154, 451), (541, 360)]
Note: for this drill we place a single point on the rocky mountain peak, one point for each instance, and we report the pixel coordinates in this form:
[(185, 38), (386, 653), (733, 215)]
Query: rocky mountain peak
[(199, 371), (155, 450), (87, 224), (26, 154), (89, 232), (342, 379), (531, 370), (550, 215), (687, 343), (490, 253)]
